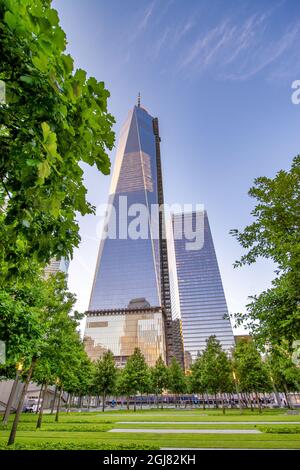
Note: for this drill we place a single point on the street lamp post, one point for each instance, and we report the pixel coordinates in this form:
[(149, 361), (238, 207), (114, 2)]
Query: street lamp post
[(19, 367), (237, 390)]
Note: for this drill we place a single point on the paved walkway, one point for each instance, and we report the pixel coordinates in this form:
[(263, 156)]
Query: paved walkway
[(209, 422), (189, 431)]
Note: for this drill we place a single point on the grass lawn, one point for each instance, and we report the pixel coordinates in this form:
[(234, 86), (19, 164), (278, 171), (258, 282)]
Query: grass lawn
[(84, 430)]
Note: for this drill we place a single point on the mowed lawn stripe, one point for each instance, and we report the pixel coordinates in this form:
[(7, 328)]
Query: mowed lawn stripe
[(171, 423), (190, 431), (266, 441)]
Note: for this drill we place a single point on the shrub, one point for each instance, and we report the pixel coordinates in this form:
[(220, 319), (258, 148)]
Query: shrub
[(66, 427), (33, 445), (281, 430)]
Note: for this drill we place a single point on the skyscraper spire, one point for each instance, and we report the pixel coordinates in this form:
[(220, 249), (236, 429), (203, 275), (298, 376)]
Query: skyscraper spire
[(139, 100)]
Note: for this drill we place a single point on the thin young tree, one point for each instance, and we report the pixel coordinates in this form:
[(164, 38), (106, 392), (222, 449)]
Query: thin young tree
[(177, 379), (135, 376), (159, 375), (216, 370), (105, 376), (252, 372)]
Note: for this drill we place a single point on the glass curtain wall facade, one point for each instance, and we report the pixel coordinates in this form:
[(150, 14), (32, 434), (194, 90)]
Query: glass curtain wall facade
[(127, 268), (199, 287), (133, 268), (121, 331)]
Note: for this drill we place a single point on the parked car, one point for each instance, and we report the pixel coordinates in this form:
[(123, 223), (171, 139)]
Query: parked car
[(30, 408)]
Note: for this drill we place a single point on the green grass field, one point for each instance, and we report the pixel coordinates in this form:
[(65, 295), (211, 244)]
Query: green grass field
[(91, 430)]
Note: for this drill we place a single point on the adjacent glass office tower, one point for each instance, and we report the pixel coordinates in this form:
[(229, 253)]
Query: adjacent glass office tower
[(198, 287), (133, 270)]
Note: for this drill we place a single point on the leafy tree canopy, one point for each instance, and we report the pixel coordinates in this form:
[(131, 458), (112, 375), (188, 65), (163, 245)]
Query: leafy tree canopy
[(54, 118), (216, 368), (177, 380), (273, 317), (105, 374), (251, 371), (159, 376)]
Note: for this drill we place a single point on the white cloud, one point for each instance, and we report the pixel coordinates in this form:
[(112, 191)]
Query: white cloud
[(237, 51), (143, 22), (160, 43), (265, 55)]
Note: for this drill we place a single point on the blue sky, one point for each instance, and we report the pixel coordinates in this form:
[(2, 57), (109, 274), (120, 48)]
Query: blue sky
[(218, 76)]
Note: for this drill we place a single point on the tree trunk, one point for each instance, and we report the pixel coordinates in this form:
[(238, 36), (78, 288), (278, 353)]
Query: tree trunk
[(277, 396), (89, 403), (39, 400), (14, 428), (58, 405), (54, 400), (250, 400), (286, 394), (203, 401), (245, 399), (259, 404), (11, 399), (161, 401), (127, 403), (70, 398), (103, 402), (39, 421), (216, 402), (222, 403), (134, 406)]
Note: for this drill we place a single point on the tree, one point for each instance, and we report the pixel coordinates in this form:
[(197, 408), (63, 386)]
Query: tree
[(53, 119), (134, 377), (51, 349), (251, 371), (62, 358), (284, 373), (273, 316), (105, 376), (159, 378), (22, 307), (177, 380), (84, 371), (20, 328), (196, 383), (216, 370)]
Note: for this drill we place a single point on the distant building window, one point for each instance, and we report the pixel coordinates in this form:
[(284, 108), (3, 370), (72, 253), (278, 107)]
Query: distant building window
[(97, 324)]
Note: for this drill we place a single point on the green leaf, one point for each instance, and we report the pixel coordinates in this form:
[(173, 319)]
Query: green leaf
[(11, 20), (20, 243), (44, 170), (80, 76), (52, 16), (31, 162), (59, 38), (44, 25), (27, 79), (46, 130), (40, 62), (67, 63)]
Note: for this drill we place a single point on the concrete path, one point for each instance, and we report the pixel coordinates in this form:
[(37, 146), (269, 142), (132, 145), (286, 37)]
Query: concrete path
[(189, 431), (209, 422)]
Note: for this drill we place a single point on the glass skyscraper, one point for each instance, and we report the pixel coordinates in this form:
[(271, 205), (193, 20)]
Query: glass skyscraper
[(131, 291), (197, 290)]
